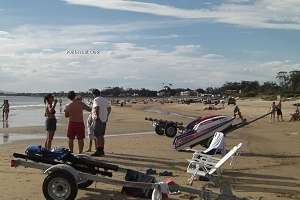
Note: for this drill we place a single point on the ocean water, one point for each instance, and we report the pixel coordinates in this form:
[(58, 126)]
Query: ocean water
[(26, 111)]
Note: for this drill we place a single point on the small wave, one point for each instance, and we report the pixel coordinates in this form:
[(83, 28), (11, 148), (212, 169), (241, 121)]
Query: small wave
[(27, 106)]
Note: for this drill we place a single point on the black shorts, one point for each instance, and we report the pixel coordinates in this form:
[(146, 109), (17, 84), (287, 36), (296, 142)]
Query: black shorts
[(279, 112), (99, 127), (51, 124)]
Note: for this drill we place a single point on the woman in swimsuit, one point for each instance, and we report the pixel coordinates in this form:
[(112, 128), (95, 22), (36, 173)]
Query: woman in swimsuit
[(50, 104), (5, 110)]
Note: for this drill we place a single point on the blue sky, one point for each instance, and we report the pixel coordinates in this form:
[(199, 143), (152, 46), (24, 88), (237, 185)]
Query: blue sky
[(190, 43)]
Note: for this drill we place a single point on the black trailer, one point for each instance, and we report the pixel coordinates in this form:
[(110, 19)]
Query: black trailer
[(166, 127)]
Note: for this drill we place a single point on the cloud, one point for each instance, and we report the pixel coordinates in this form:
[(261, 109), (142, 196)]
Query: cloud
[(275, 14), (3, 33), (34, 58), (279, 65), (214, 56)]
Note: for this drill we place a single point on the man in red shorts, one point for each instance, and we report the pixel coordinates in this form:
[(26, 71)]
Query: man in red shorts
[(74, 111)]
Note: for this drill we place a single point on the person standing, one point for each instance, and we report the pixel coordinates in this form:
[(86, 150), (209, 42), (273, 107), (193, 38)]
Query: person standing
[(237, 111), (279, 111), (60, 105), (76, 129), (101, 110), (5, 110), (50, 105), (90, 131), (273, 111)]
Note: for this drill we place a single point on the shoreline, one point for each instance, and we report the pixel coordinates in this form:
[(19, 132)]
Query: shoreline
[(11, 138)]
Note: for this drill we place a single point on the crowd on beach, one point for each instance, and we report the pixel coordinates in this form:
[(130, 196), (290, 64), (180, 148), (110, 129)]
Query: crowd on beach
[(96, 122)]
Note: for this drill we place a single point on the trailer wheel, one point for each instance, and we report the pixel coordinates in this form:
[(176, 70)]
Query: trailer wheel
[(60, 185), (171, 131), (159, 129), (85, 184)]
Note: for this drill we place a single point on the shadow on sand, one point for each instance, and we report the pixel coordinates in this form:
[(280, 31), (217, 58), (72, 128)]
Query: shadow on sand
[(133, 161), (249, 182), (96, 194), (136, 161), (269, 155)]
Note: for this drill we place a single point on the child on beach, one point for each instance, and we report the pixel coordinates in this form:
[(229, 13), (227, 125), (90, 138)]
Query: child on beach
[(90, 131), (5, 110), (273, 110), (50, 105)]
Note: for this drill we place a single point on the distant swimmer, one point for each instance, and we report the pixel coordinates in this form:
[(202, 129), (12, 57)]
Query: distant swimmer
[(50, 105), (5, 110)]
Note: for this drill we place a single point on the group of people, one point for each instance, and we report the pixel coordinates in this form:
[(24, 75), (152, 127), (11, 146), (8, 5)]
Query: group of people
[(96, 123), (276, 109)]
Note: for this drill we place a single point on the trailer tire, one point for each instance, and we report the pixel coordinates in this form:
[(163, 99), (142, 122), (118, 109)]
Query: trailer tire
[(85, 184), (159, 129), (171, 130), (60, 185)]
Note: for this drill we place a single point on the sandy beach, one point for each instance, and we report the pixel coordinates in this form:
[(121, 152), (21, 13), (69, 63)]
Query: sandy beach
[(267, 169)]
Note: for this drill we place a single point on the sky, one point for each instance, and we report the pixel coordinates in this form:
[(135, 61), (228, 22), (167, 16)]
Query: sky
[(59, 45)]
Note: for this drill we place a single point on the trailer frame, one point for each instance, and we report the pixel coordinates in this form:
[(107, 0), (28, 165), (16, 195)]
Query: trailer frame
[(75, 176)]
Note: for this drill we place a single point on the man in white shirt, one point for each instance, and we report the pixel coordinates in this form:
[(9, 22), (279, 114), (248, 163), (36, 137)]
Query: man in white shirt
[(100, 111)]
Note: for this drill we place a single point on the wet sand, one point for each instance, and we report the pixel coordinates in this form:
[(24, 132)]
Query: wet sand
[(268, 167)]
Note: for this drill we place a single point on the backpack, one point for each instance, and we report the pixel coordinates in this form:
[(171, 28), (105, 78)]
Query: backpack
[(136, 176)]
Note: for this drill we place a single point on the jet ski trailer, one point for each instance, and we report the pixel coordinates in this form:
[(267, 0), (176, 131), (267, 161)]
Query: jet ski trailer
[(201, 130), (66, 173)]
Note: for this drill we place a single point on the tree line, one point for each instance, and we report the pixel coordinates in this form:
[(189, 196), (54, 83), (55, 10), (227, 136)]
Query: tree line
[(288, 85)]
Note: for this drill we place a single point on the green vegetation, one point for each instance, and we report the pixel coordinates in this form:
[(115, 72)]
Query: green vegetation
[(288, 86)]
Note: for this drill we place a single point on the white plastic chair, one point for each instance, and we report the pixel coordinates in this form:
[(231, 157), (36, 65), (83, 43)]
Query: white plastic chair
[(207, 165), (217, 145)]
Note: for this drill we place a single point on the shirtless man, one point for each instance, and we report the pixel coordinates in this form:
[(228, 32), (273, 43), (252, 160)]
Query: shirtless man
[(76, 129)]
